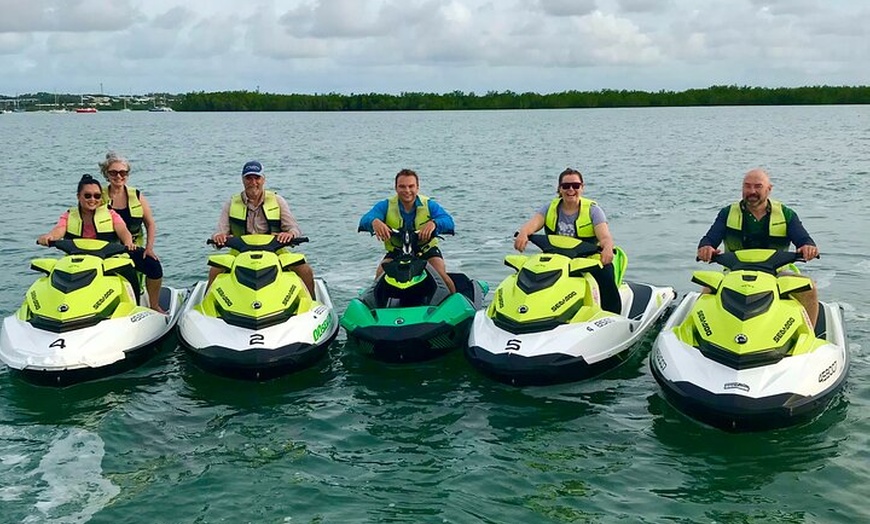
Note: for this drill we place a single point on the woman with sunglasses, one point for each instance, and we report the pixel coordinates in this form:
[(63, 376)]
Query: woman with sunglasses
[(134, 209), (572, 215), (93, 219)]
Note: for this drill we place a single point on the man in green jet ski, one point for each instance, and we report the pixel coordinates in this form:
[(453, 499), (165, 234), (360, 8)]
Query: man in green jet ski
[(258, 211), (756, 222), (572, 215), (408, 206)]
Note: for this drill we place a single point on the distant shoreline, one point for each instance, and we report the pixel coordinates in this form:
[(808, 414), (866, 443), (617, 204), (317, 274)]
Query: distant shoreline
[(730, 95)]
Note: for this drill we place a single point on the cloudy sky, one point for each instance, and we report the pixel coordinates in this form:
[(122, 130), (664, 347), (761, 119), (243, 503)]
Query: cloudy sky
[(391, 46)]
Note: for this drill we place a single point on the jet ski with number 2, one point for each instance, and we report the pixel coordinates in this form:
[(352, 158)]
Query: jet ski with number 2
[(257, 320)]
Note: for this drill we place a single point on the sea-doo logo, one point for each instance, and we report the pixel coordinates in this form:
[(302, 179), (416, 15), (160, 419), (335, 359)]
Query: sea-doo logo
[(139, 316), (660, 360), (103, 298), (36, 304), (741, 339), (399, 321), (784, 329), (828, 372), (604, 321), (513, 345), (289, 294), (63, 308), (256, 305), (562, 302), (735, 385), (321, 329), (220, 292), (704, 325), (523, 309), (499, 296)]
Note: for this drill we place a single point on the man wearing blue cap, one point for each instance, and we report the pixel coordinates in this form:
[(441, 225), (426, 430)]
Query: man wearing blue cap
[(254, 211)]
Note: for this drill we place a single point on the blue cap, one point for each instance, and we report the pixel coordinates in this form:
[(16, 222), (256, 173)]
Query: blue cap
[(253, 168)]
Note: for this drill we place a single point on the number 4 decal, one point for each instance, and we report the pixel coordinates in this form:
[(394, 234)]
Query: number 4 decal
[(59, 343)]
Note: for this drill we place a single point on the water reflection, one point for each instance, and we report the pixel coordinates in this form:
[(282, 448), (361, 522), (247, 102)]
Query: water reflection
[(719, 466)]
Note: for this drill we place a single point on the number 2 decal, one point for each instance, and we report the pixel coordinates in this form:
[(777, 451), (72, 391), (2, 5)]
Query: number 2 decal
[(256, 340)]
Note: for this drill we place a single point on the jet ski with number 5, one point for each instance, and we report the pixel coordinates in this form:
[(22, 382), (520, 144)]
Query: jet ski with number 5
[(546, 324), (84, 319), (746, 356), (257, 320)]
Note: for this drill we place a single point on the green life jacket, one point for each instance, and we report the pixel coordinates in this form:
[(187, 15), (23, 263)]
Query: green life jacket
[(239, 214), (776, 236), (584, 229), (394, 220), (102, 223), (134, 206)]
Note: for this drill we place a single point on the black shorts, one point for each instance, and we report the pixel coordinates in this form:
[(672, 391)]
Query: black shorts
[(432, 252), (150, 267)]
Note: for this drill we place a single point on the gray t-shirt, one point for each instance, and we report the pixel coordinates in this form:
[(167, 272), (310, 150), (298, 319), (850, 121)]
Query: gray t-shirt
[(565, 223)]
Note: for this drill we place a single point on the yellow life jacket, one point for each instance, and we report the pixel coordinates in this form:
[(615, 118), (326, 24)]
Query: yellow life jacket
[(584, 229), (239, 214), (134, 207), (102, 223), (395, 221), (777, 233)]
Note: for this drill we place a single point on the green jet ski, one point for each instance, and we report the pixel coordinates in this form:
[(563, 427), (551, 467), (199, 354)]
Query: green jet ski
[(408, 314)]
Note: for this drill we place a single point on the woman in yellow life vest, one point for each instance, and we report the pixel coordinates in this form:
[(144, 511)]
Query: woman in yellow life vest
[(134, 209), (572, 215), (93, 219)]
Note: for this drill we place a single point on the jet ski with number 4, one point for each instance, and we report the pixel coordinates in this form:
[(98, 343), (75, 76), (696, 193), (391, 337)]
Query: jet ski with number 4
[(546, 325), (82, 320), (257, 320), (745, 356), (408, 314)]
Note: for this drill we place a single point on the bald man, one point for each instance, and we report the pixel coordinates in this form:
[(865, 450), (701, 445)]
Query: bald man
[(757, 222)]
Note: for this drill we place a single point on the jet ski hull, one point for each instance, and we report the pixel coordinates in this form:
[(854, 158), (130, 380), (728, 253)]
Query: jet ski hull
[(567, 352), (787, 392), (258, 354), (100, 350)]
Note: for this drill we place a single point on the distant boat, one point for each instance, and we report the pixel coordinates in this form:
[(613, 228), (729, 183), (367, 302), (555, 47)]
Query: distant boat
[(161, 109), (86, 110)]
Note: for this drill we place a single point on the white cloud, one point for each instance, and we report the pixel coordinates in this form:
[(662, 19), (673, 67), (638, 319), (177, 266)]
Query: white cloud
[(430, 45)]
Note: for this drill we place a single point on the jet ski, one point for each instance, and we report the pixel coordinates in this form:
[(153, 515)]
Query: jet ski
[(83, 319), (257, 320), (408, 314), (745, 357), (546, 325)]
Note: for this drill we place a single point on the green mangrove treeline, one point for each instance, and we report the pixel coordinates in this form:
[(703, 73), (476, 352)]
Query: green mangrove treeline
[(458, 100)]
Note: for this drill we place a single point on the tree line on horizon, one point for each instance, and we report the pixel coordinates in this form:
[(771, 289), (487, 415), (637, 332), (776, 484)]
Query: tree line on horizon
[(457, 100)]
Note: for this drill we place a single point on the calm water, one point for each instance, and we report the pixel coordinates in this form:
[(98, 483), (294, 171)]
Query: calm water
[(357, 441)]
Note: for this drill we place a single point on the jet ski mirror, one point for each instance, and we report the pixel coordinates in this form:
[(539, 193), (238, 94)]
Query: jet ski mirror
[(789, 284), (710, 279), (515, 261), (43, 265)]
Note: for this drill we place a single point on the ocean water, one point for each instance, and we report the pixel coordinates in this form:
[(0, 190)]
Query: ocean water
[(353, 440)]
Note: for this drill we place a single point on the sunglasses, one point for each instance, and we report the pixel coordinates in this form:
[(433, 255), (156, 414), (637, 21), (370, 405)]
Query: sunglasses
[(92, 196), (115, 172), (571, 185)]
